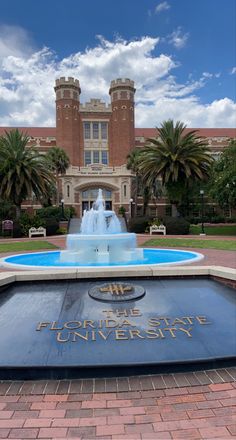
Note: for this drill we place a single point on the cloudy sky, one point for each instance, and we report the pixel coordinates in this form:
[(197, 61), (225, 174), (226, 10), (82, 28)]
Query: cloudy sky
[(180, 53)]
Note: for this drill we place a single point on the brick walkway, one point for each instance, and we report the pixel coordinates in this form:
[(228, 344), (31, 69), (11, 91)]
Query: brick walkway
[(196, 405)]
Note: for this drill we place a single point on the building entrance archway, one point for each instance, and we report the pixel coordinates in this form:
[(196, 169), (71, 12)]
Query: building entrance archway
[(89, 196)]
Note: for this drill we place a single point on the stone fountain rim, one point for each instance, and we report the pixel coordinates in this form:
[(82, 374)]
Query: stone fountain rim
[(110, 269), (221, 272), (113, 236)]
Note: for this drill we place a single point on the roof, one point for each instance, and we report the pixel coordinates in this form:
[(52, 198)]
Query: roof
[(139, 132), (32, 131), (206, 132)]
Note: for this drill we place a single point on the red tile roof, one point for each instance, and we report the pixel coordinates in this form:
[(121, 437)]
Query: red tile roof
[(33, 131), (207, 132), (139, 132)]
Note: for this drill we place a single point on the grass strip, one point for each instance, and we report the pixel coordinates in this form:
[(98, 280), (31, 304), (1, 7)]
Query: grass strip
[(214, 230), (227, 245), (26, 246)]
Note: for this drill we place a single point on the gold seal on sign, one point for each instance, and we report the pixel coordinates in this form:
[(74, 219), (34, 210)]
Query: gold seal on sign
[(116, 289), (116, 292)]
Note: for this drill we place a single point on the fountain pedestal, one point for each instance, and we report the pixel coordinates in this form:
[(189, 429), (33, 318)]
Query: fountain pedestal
[(101, 240), (107, 248)]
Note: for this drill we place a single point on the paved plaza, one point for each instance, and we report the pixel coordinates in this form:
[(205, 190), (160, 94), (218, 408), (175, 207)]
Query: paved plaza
[(198, 405), (192, 405)]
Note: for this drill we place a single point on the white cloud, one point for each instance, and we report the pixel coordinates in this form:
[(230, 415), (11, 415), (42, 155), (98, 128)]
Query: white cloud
[(164, 6), (207, 75), (27, 79), (178, 38), (219, 113), (15, 41), (233, 70)]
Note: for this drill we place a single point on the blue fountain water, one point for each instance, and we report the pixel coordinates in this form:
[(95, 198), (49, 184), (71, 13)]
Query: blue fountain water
[(151, 257)]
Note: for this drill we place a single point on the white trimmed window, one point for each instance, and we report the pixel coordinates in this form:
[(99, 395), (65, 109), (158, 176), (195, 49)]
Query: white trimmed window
[(87, 131), (95, 130), (104, 130), (87, 158), (95, 157), (105, 157)]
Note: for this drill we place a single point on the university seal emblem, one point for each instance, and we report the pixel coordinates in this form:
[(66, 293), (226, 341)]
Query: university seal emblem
[(116, 292)]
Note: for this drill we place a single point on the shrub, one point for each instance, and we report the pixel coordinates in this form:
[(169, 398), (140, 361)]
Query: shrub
[(16, 230), (193, 220), (122, 211), (51, 225), (61, 231), (218, 219), (56, 212), (138, 224), (28, 221), (176, 225), (231, 220)]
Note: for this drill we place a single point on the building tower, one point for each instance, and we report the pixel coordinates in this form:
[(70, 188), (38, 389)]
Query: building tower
[(67, 117), (121, 133)]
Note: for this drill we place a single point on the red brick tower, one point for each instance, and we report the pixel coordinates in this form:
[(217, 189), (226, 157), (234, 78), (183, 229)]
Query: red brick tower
[(121, 130), (67, 117)]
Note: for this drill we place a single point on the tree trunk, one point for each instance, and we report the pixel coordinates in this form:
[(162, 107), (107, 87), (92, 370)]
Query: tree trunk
[(174, 211), (18, 211), (58, 193), (136, 195)]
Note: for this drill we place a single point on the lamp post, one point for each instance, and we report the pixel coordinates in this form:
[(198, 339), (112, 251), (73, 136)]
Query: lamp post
[(62, 209), (202, 210), (131, 207)]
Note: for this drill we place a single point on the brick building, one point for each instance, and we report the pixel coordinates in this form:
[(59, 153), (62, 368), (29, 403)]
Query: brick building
[(97, 138)]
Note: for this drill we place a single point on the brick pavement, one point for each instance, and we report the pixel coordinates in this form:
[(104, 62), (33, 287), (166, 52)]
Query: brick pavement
[(198, 405), (194, 405)]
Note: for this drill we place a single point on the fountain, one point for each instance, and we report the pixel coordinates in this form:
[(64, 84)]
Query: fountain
[(102, 243), (101, 239)]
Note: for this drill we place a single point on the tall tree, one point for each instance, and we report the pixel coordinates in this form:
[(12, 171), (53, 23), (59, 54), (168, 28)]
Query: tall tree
[(223, 180), (177, 157), (59, 163), (23, 171)]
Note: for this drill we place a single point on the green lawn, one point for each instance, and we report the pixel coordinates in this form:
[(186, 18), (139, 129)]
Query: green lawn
[(228, 245), (214, 230), (26, 246)]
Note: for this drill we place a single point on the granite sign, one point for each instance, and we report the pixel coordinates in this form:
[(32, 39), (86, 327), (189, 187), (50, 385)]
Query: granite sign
[(123, 325)]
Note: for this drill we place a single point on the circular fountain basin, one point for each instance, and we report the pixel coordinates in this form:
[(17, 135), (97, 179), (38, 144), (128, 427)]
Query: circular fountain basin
[(52, 259)]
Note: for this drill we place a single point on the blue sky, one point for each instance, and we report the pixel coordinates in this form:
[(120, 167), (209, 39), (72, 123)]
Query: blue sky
[(180, 53)]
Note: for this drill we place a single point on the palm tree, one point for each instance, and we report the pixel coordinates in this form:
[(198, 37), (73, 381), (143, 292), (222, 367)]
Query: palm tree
[(139, 182), (59, 162), (177, 157), (23, 171), (141, 186)]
